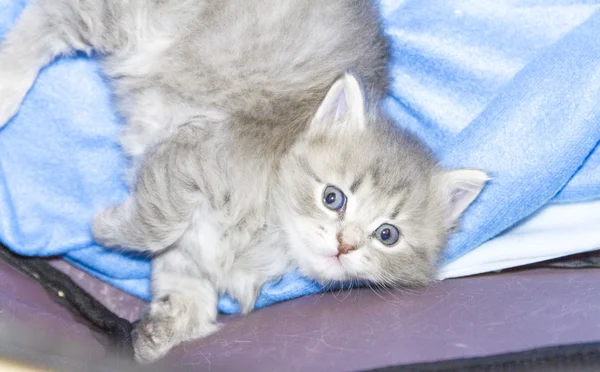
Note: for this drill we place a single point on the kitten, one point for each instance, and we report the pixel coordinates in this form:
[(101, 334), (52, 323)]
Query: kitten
[(257, 146)]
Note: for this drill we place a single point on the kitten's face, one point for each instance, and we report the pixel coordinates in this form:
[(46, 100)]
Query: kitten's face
[(360, 200), (357, 209)]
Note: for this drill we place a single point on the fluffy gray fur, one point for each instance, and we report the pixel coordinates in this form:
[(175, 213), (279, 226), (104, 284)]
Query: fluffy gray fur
[(239, 114)]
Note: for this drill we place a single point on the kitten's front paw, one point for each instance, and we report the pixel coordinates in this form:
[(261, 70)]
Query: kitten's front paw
[(156, 333), (244, 288), (169, 321), (152, 339)]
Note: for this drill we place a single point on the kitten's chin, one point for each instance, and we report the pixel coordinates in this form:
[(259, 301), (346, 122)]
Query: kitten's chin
[(324, 269), (316, 261)]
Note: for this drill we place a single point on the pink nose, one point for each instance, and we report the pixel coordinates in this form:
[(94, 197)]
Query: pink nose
[(344, 248)]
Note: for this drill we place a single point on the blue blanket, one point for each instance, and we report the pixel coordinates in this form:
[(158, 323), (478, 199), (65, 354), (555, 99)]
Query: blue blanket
[(509, 86)]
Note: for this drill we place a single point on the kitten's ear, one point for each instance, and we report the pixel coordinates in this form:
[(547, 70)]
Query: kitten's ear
[(460, 188), (343, 109)]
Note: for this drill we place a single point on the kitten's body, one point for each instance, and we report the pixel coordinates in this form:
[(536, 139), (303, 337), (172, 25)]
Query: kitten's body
[(263, 62), (232, 143)]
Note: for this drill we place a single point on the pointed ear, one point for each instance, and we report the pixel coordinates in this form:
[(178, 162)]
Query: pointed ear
[(343, 109), (460, 188)]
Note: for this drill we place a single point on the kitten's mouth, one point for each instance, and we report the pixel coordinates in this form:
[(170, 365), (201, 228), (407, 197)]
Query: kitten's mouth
[(337, 258)]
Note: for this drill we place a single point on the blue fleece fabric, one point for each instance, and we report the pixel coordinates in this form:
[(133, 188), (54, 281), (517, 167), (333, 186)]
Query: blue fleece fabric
[(508, 86)]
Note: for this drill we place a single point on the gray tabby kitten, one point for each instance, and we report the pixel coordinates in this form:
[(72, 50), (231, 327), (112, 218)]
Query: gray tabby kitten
[(255, 148)]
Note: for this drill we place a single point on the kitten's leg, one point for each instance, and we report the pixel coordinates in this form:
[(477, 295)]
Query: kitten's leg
[(184, 307), (45, 30), (169, 188), (244, 288)]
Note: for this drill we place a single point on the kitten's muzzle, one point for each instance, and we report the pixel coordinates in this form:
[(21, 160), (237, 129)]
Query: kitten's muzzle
[(343, 247)]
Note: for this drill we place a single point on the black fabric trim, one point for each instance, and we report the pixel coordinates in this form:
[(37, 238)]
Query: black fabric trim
[(576, 357), (116, 331)]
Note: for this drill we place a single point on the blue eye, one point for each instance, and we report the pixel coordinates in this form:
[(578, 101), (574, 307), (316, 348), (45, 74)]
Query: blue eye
[(334, 198), (387, 234)]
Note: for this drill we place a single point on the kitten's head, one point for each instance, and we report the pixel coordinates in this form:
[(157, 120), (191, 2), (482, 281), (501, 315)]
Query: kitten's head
[(360, 199)]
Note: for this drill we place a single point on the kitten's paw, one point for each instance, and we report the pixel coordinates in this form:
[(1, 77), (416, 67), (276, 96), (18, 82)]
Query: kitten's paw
[(152, 339), (248, 301), (14, 85), (157, 332), (10, 102), (105, 228), (245, 289), (167, 323)]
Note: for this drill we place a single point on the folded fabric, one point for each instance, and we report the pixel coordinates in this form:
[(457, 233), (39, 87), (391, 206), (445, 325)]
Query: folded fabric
[(509, 86), (556, 231)]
